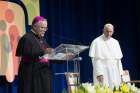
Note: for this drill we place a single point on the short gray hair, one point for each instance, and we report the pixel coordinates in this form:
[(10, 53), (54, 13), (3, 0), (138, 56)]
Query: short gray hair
[(108, 25)]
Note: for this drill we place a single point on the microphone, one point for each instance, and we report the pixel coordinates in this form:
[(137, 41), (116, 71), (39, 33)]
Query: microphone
[(77, 59)]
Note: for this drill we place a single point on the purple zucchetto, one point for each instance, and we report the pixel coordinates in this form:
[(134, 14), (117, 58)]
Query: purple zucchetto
[(37, 19)]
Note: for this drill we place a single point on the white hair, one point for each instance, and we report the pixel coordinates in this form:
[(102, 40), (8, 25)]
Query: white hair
[(108, 25)]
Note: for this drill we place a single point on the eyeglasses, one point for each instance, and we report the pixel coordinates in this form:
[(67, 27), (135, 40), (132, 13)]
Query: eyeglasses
[(45, 28)]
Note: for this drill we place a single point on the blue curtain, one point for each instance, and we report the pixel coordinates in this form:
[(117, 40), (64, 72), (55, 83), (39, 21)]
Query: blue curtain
[(81, 21)]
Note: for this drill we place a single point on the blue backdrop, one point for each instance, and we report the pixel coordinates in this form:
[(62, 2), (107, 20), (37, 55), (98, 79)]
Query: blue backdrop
[(79, 22)]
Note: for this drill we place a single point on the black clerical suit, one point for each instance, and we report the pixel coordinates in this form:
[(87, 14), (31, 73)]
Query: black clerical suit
[(34, 76)]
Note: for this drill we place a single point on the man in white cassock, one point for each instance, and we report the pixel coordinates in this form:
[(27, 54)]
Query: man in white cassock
[(106, 57)]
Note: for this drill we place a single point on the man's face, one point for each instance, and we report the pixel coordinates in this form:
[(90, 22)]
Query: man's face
[(108, 31), (41, 27)]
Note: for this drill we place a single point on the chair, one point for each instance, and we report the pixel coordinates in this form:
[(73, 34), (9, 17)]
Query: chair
[(72, 81), (126, 78)]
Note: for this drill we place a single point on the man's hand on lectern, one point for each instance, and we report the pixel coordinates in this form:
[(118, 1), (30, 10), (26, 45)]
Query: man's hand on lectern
[(49, 50), (70, 55)]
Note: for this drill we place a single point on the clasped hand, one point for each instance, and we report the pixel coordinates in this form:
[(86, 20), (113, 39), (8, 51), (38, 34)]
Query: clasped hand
[(70, 55)]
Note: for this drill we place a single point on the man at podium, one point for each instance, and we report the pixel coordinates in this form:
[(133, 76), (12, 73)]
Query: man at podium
[(34, 71), (106, 57)]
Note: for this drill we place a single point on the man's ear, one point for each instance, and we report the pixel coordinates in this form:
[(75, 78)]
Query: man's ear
[(34, 27)]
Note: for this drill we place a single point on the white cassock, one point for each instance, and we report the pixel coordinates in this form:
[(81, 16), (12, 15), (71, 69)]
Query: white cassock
[(106, 59)]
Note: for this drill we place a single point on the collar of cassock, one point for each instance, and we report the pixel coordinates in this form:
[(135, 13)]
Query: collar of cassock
[(33, 31)]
